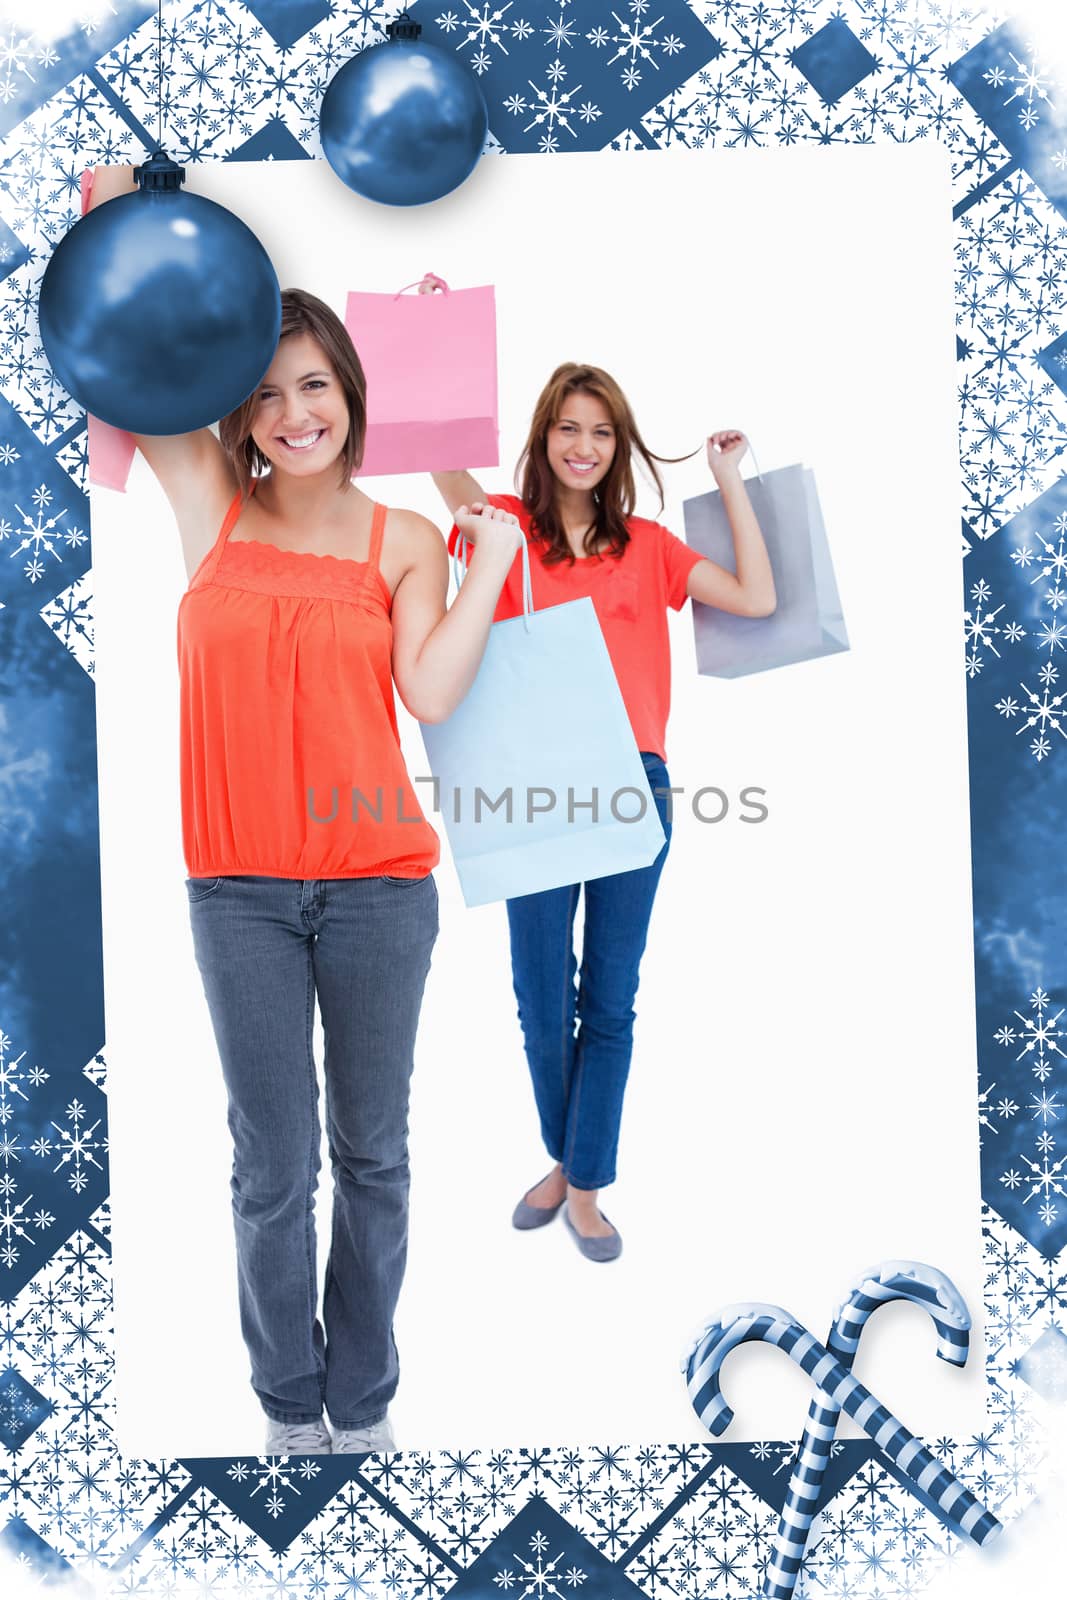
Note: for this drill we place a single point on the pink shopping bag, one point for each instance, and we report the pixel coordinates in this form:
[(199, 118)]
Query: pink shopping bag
[(111, 450), (430, 360), (110, 455)]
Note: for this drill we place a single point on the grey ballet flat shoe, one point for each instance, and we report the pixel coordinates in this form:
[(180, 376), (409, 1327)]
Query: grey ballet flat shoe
[(527, 1216), (603, 1249)]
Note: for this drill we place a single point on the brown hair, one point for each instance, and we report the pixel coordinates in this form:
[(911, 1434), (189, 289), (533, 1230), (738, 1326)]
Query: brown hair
[(303, 313), (614, 497)]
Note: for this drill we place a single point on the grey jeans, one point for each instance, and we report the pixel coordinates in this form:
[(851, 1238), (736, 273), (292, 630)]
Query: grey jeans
[(265, 948)]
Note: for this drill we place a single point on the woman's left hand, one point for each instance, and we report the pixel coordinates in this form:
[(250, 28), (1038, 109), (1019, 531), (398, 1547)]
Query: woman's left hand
[(725, 451)]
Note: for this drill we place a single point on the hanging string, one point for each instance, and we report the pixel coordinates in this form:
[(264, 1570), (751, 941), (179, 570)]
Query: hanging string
[(159, 74)]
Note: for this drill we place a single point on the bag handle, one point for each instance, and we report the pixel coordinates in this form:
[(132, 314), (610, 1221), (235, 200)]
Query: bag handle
[(428, 277), (459, 568)]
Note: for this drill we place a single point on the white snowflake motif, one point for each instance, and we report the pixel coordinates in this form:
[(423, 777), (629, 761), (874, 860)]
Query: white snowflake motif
[(16, 1219), (76, 1147), (552, 109), (560, 34), (1052, 572), (1004, 1109), (276, 1476), (1039, 1034), (1029, 82), (980, 629), (541, 1578), (8, 455), (36, 532), (1046, 1106), (1046, 713), (485, 26), (14, 51), (635, 41), (1046, 1179)]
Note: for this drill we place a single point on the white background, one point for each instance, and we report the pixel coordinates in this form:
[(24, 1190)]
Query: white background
[(802, 1102)]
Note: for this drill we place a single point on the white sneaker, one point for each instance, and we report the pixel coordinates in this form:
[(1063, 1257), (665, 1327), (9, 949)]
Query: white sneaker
[(298, 1438), (364, 1441)]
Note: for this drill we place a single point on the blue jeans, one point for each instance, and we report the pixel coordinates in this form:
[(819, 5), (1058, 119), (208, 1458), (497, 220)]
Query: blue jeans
[(579, 1035), (265, 948)]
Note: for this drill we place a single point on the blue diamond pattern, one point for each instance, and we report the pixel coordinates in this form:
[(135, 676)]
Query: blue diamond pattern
[(273, 142), (1044, 1366), (276, 1496), (288, 20), (833, 60), (1015, 94), (574, 74), (540, 1554), (42, 68), (22, 1409), (244, 78), (1053, 360)]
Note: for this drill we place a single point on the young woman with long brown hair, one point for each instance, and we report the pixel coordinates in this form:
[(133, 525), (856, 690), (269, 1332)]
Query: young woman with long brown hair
[(576, 509), (310, 861)]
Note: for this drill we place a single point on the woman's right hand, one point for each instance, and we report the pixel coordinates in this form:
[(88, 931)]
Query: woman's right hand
[(192, 469), (489, 528)]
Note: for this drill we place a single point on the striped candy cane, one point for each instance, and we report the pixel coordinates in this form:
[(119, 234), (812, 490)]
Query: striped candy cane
[(890, 1280), (737, 1324)]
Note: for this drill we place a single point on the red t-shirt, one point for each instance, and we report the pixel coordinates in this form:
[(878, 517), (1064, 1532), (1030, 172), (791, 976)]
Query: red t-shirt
[(630, 594)]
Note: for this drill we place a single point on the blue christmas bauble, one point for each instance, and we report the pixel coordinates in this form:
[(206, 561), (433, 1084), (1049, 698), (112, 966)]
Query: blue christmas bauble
[(403, 123), (160, 311)]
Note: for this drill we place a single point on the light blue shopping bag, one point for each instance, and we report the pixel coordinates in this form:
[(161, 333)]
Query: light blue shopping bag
[(539, 781), (808, 621)]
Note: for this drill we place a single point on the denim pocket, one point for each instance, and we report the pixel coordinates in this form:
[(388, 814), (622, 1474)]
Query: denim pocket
[(200, 888), (401, 883)]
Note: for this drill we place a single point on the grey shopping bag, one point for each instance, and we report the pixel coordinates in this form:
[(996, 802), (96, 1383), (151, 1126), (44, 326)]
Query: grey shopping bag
[(808, 621)]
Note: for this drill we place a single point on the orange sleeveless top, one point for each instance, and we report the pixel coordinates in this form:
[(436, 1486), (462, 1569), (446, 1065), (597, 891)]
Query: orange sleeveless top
[(291, 764)]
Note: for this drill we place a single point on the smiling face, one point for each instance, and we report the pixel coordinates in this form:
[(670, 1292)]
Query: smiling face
[(580, 444), (301, 419)]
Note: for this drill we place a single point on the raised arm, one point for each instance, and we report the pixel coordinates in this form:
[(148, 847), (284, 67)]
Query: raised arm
[(750, 592), (436, 653), (458, 489), (193, 470)]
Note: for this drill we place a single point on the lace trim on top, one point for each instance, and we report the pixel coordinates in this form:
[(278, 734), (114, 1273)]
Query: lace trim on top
[(268, 569)]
